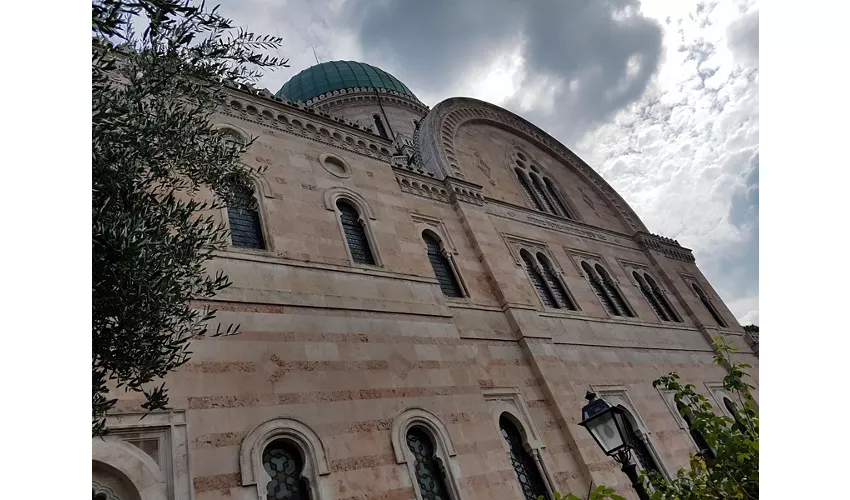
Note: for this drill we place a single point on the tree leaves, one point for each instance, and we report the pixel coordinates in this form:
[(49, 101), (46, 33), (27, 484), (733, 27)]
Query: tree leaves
[(154, 153)]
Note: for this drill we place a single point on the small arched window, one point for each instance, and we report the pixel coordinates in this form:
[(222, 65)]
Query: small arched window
[(244, 218), (429, 473), (443, 268), (641, 450), (562, 297), (650, 297), (709, 306), (525, 183), (537, 280), (702, 445), (599, 289), (661, 297), (556, 200), (530, 481), (283, 462), (355, 234), (616, 297), (540, 192), (379, 126)]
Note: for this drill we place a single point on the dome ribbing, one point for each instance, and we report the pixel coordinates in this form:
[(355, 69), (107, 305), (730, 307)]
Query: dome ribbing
[(337, 75)]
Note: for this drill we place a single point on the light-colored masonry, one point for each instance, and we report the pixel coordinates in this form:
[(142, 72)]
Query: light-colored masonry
[(340, 359)]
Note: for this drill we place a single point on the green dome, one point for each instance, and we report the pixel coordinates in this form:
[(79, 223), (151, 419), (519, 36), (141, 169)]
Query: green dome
[(338, 75)]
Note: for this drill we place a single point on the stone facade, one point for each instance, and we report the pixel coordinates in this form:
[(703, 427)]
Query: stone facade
[(340, 359)]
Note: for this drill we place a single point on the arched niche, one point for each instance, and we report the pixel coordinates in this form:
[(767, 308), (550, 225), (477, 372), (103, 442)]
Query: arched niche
[(126, 465), (436, 148)]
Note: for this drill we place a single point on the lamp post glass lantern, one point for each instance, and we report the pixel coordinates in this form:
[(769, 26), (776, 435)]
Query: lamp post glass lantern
[(607, 425)]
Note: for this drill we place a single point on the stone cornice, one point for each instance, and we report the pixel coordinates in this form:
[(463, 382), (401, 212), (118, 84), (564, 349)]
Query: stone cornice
[(366, 95), (667, 246), (316, 126)]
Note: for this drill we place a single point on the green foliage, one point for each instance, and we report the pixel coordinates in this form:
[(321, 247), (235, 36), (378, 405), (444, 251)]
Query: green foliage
[(733, 470), (154, 154), (599, 493), (751, 328)]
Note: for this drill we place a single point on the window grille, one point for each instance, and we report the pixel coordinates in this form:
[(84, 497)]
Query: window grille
[(662, 300), (526, 187), (559, 205), (245, 228), (442, 267), (562, 297), (379, 124), (537, 281), (614, 292), (708, 305), (650, 297), (526, 470), (428, 472), (355, 234), (599, 289), (284, 465)]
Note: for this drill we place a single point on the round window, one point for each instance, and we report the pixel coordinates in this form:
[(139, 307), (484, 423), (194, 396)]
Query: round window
[(335, 165)]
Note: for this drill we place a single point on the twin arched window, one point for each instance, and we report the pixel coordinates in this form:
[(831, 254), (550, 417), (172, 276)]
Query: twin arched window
[(540, 191), (441, 263), (606, 289), (709, 306), (530, 481), (702, 445), (656, 298), (548, 285), (355, 234)]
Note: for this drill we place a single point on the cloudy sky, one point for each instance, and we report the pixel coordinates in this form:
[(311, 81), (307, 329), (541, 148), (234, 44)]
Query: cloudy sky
[(660, 97)]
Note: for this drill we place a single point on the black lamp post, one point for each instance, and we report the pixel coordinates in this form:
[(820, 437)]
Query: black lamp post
[(607, 425)]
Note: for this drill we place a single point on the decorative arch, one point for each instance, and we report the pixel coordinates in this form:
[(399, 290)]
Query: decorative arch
[(229, 127), (334, 194), (132, 464), (304, 438), (435, 147)]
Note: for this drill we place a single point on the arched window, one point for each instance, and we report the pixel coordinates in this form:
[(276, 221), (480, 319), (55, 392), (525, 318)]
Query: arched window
[(537, 184), (661, 297), (702, 445), (429, 473), (379, 126), (283, 462), (526, 187), (642, 454), (355, 234), (709, 306), (442, 267), (526, 470), (614, 292), (556, 200), (244, 218), (537, 280), (650, 297), (599, 289), (562, 297)]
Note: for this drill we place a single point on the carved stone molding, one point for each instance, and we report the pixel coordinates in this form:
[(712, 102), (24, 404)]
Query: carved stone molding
[(509, 400), (422, 186), (366, 95), (436, 146), (669, 247), (546, 221), (435, 224)]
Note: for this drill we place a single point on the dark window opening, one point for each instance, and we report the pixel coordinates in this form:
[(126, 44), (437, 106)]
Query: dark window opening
[(355, 234), (527, 474), (379, 125), (538, 190), (537, 281), (599, 289), (442, 267), (284, 465), (429, 474), (559, 205), (641, 451), (562, 297), (702, 445), (616, 297), (650, 297), (244, 218), (526, 188), (709, 306)]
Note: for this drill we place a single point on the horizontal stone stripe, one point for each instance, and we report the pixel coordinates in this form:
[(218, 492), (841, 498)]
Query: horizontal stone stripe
[(218, 439), (254, 400), (396, 494), (319, 311), (487, 479), (219, 367), (363, 462), (218, 482), (479, 446)]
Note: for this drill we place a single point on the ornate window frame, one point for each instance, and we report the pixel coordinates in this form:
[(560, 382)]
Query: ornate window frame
[(517, 158), (443, 447), (631, 267), (617, 395), (439, 230), (516, 244), (302, 436), (509, 401), (593, 260), (693, 285), (163, 475), (339, 193)]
